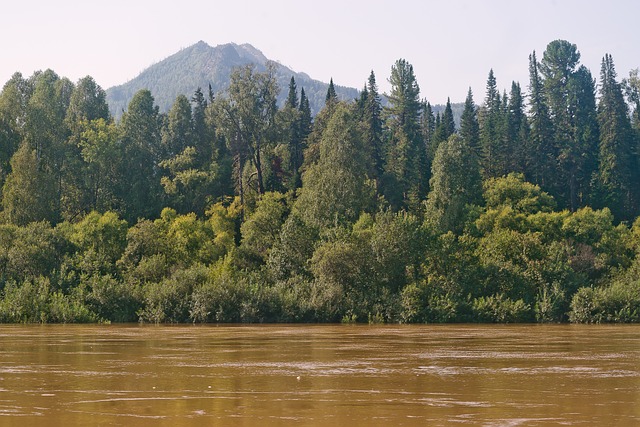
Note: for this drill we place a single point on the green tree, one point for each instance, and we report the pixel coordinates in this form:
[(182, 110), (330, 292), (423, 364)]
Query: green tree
[(87, 103), (262, 229), (332, 96), (618, 186), (469, 128), (406, 161), (99, 241), (247, 119), (335, 190), (428, 129), (494, 149), (372, 119), (292, 97), (291, 117), (586, 132), (46, 132), (517, 133), (558, 67), (305, 116), (202, 133), (103, 159), (29, 192), (177, 134), (140, 187), (13, 110), (455, 184), (541, 154)]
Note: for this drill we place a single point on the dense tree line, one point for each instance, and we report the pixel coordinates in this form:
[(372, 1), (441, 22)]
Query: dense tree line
[(231, 209)]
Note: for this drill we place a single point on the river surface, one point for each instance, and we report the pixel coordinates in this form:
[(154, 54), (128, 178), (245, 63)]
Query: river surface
[(339, 375)]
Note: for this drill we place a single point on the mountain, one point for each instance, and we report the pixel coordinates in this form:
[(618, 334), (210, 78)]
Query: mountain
[(201, 65)]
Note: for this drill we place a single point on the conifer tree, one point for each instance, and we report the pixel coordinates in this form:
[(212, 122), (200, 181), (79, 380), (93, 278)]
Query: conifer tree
[(292, 116), (437, 133), (332, 96), (428, 128), (541, 155), (406, 160), (558, 65), (447, 120), (491, 139), (616, 174), (517, 129), (292, 97), (202, 135), (177, 133), (373, 129), (469, 128), (305, 116), (584, 149)]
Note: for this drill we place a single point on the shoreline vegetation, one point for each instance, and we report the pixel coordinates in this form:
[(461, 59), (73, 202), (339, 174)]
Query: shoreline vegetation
[(231, 209)]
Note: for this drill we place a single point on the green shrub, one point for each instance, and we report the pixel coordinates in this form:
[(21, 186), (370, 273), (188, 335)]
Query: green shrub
[(499, 309)]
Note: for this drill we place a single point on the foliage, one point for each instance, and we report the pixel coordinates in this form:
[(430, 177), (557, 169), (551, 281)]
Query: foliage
[(229, 208)]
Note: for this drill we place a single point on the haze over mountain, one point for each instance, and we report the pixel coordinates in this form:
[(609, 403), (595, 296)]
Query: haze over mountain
[(201, 65)]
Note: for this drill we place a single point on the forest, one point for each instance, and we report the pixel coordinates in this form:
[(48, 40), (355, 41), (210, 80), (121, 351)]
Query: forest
[(232, 208)]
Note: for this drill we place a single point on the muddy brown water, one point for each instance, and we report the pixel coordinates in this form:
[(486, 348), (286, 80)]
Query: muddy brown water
[(336, 375)]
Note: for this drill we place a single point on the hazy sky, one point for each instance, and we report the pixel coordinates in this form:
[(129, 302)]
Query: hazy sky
[(452, 44)]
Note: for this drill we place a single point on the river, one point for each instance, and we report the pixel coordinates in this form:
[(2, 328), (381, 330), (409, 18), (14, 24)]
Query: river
[(319, 375)]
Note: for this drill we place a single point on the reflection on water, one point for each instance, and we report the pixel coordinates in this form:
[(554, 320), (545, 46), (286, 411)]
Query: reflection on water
[(320, 375)]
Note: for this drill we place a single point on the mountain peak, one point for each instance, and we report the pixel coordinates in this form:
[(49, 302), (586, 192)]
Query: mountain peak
[(201, 65)]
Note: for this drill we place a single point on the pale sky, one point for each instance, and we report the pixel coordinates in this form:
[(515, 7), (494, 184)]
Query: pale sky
[(451, 44)]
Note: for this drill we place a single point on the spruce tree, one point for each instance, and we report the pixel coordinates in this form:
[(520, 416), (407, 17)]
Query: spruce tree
[(202, 135), (584, 151), (448, 122), (305, 116), (438, 132), (517, 129), (616, 174), (332, 96), (558, 65), (373, 129), (469, 128), (540, 155), (406, 160), (428, 128), (293, 129), (492, 140), (292, 97)]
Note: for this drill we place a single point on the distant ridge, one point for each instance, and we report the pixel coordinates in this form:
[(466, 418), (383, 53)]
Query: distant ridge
[(200, 65)]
